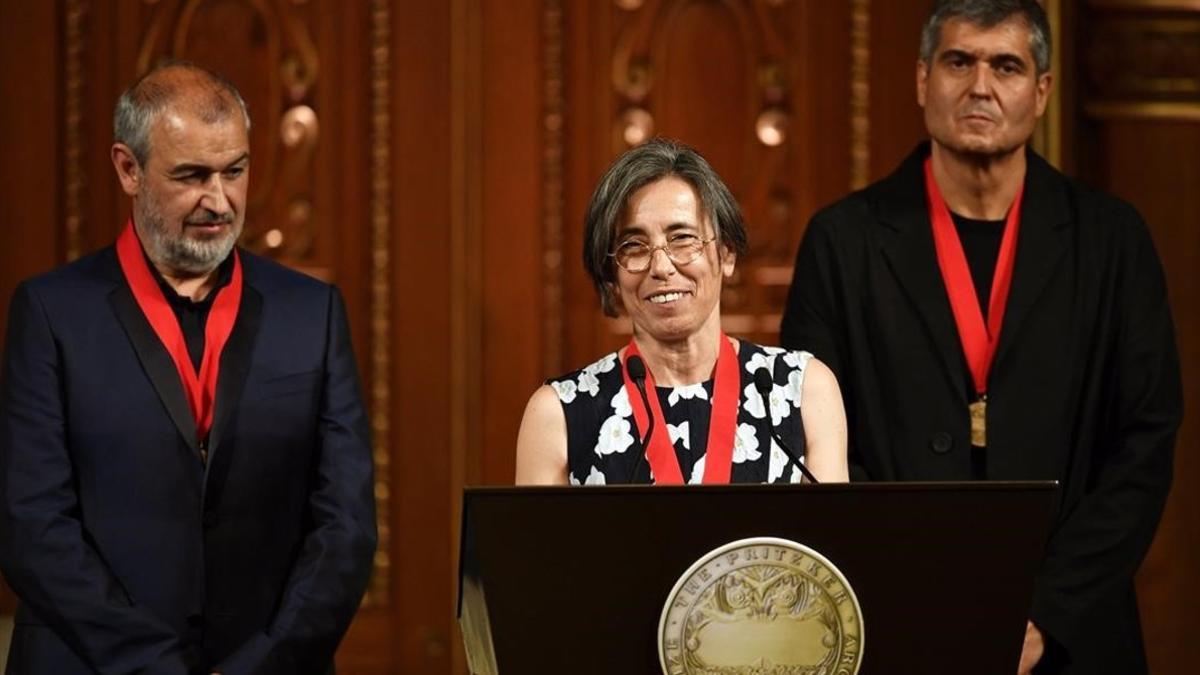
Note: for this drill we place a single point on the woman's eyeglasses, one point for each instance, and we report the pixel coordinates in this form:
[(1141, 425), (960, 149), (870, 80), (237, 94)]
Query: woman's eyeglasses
[(635, 257)]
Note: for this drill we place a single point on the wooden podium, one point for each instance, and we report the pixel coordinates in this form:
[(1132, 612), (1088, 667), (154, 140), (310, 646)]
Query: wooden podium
[(573, 579)]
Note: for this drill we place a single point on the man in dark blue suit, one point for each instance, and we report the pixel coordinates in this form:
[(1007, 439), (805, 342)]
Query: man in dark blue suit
[(185, 472)]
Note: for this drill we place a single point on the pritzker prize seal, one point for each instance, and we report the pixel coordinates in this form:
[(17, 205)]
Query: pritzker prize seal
[(761, 606)]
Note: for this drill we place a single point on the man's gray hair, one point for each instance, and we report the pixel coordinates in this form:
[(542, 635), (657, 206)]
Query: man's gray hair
[(139, 106), (988, 13), (637, 168)]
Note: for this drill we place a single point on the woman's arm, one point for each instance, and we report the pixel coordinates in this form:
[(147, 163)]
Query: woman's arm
[(542, 441), (824, 424)]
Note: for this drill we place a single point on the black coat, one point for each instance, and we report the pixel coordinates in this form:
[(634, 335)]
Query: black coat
[(130, 554), (1085, 387)]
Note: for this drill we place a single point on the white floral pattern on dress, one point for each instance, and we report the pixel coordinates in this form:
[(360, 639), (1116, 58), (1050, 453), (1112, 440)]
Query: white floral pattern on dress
[(687, 391), (780, 461), (620, 403), (614, 436), (697, 476), (779, 402), (589, 383), (595, 477), (795, 385), (797, 359), (603, 446), (759, 361), (796, 476), (745, 444), (680, 431), (752, 402), (604, 365), (565, 390)]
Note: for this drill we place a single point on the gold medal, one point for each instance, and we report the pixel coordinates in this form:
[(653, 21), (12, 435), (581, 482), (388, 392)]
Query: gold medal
[(978, 411)]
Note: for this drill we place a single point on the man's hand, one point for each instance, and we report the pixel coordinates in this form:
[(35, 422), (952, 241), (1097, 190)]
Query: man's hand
[(1031, 651)]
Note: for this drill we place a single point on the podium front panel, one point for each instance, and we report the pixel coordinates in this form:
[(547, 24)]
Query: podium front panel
[(574, 579)]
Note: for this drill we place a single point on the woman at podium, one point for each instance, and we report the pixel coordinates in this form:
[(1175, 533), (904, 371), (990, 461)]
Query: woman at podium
[(682, 402)]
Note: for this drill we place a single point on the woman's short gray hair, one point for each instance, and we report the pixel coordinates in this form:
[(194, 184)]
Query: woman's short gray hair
[(140, 104), (635, 169), (988, 13)]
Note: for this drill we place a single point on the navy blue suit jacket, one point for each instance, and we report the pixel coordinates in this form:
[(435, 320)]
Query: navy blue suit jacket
[(129, 553)]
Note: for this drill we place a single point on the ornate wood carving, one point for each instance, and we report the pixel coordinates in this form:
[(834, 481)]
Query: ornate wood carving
[(719, 76), (553, 110), (1142, 66), (379, 590), (74, 183), (860, 93), (1146, 58), (276, 66)]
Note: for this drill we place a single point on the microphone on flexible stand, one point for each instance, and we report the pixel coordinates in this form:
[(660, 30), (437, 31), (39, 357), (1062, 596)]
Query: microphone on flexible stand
[(763, 383), (637, 372)]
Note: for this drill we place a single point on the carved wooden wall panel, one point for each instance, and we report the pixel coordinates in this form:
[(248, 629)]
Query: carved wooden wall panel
[(434, 160), (303, 68), (752, 86), (30, 185), (1139, 87), (267, 49)]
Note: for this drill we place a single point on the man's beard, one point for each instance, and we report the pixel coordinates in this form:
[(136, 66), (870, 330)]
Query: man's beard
[(181, 253)]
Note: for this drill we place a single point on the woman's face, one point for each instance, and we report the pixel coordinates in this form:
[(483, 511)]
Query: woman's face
[(670, 301)]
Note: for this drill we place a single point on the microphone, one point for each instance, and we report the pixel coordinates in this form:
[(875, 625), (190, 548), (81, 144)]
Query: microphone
[(637, 371), (763, 383)]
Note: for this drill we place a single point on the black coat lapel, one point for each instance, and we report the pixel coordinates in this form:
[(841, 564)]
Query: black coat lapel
[(912, 257), (231, 379), (156, 361), (1045, 210), (235, 365)]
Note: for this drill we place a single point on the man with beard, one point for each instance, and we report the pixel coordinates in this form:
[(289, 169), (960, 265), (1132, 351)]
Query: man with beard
[(988, 318), (185, 472)]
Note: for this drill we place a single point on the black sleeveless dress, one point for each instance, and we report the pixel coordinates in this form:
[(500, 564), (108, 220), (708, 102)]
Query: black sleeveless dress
[(602, 436)]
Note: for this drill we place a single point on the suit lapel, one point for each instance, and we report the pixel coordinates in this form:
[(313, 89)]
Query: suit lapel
[(235, 365), (1040, 246), (912, 258), (155, 360)]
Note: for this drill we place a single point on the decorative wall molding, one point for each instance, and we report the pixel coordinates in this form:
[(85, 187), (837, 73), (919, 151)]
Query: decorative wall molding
[(277, 66), (1146, 58), (1143, 110), (1047, 136), (379, 590), (74, 176), (860, 93), (720, 76), (1182, 5), (553, 170)]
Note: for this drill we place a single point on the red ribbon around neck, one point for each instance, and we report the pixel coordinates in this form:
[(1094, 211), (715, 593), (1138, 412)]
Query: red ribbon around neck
[(978, 340), (718, 463), (201, 387)]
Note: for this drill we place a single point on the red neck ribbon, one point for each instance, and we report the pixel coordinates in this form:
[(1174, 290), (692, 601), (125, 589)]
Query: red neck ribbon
[(978, 341), (200, 388), (718, 461)]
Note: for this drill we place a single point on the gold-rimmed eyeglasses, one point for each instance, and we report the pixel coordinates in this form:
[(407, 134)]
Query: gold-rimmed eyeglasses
[(635, 256)]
